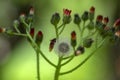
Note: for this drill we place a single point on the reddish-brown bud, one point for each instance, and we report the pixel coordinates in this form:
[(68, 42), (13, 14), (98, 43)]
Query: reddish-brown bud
[(117, 23), (32, 32), (66, 12), (31, 12), (52, 43), (105, 20), (117, 33), (99, 18), (39, 37), (2, 30), (73, 35), (92, 9)]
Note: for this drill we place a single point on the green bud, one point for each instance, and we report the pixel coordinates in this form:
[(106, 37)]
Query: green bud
[(80, 50), (67, 19), (85, 16), (77, 19), (39, 38), (55, 19), (87, 43)]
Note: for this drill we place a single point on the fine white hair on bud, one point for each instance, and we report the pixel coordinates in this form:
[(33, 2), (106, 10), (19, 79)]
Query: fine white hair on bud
[(62, 47)]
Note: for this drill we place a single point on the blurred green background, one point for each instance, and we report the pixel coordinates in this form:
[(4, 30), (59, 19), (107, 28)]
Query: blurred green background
[(17, 58)]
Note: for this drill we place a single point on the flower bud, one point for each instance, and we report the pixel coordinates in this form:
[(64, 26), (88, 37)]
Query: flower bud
[(22, 17), (52, 43), (66, 16), (87, 43), (31, 12), (91, 13), (73, 39), (39, 38), (2, 30), (99, 18), (105, 20), (85, 16), (80, 50), (117, 33), (16, 23), (55, 19), (117, 23), (32, 32), (77, 19)]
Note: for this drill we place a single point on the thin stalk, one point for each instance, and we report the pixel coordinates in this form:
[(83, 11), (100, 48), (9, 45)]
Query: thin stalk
[(16, 29), (38, 67), (86, 59), (60, 26), (17, 34), (70, 59), (62, 30), (57, 72), (36, 48)]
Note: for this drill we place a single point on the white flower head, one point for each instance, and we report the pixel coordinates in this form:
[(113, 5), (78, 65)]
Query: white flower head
[(62, 47)]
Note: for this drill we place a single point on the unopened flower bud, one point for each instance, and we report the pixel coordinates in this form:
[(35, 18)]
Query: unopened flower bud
[(31, 12), (87, 43), (52, 43), (80, 50), (85, 16), (22, 17), (91, 13), (39, 38), (16, 23), (66, 16), (73, 39), (117, 33), (32, 32), (2, 30), (77, 19), (105, 20), (99, 18), (55, 19), (117, 23)]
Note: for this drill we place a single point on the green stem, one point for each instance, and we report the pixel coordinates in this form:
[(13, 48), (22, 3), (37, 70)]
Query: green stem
[(60, 26), (16, 29), (57, 72), (36, 48), (56, 30), (70, 59), (38, 67), (86, 59), (62, 30), (16, 34)]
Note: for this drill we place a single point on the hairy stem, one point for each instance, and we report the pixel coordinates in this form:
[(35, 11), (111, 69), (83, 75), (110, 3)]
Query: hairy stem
[(57, 71)]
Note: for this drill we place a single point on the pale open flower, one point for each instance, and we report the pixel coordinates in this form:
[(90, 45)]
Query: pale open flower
[(62, 47)]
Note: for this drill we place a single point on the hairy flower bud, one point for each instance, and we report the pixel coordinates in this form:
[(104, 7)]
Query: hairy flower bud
[(51, 45), (105, 20), (80, 50), (91, 13), (2, 30), (55, 19), (73, 39), (22, 17), (85, 16), (87, 43), (32, 32), (117, 33), (77, 19), (117, 23), (39, 38), (66, 16)]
